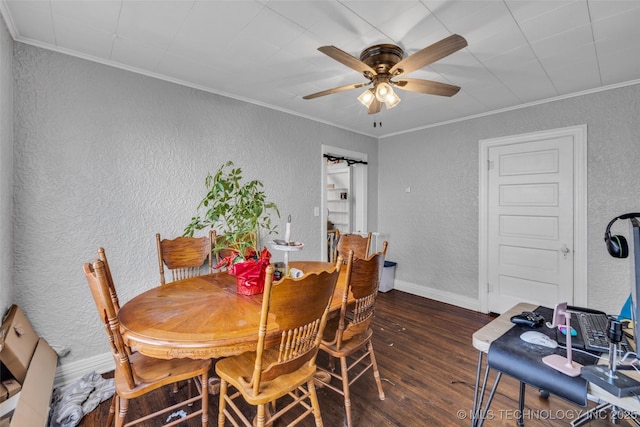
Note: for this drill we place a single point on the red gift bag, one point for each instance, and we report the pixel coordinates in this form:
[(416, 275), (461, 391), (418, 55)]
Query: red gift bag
[(251, 274)]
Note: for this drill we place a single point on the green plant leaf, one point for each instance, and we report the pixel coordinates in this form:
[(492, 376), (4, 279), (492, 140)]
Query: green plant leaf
[(236, 210)]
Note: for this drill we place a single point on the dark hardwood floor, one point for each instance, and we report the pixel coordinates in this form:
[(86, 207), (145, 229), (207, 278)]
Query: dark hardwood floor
[(428, 366)]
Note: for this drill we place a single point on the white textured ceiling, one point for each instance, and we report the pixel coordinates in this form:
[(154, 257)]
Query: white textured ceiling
[(519, 52)]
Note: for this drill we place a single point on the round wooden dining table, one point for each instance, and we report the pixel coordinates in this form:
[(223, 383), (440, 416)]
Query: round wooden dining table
[(202, 317)]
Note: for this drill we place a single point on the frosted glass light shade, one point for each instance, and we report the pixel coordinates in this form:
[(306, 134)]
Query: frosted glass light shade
[(382, 91), (391, 100), (366, 98)]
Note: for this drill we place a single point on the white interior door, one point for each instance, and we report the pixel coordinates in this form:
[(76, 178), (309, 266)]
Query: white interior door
[(530, 224), (533, 219)]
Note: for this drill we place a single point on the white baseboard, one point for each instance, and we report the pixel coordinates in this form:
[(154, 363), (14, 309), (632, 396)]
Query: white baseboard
[(69, 372), (438, 295)]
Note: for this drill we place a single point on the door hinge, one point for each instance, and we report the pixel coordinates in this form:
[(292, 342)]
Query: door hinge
[(489, 164)]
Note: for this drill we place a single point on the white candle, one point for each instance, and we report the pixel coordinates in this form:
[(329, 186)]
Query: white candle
[(287, 232)]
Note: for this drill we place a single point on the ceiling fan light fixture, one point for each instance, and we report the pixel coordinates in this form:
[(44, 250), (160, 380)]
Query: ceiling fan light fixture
[(391, 100), (382, 91), (366, 98)]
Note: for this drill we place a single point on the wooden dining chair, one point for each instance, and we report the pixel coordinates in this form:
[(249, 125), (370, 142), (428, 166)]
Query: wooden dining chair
[(347, 337), (359, 244), (107, 271), (183, 256), (286, 366), (135, 374)]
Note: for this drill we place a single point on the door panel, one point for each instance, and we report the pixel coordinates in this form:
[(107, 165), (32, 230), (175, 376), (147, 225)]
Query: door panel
[(529, 163), (529, 227), (530, 223), (524, 290), (539, 194)]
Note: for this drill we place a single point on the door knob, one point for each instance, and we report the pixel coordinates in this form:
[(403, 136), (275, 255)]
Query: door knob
[(565, 250)]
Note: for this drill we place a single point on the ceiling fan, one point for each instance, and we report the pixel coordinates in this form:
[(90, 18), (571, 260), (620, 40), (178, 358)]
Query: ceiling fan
[(383, 62)]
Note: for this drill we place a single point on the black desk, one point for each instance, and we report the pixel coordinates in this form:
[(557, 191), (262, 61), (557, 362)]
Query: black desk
[(513, 362)]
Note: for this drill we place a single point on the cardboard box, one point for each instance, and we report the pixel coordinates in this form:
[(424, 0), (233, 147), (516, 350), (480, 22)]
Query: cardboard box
[(33, 366), (33, 406), (19, 343), (12, 387)]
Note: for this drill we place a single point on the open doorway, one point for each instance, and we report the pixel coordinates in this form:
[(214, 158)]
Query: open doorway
[(344, 195)]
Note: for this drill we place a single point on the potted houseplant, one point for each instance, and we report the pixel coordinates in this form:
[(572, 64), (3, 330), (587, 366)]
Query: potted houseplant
[(238, 211)]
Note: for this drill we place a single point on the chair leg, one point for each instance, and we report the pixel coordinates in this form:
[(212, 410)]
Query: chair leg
[(259, 421), (204, 395), (122, 406), (376, 373), (112, 411), (345, 389), (314, 402), (223, 402), (269, 408)]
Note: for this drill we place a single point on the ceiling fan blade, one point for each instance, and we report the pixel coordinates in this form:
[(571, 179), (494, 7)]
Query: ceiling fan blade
[(375, 106), (348, 60), (427, 86), (429, 55), (335, 90)]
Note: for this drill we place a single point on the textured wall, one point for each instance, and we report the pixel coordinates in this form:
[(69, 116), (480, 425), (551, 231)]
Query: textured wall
[(105, 157), (6, 168), (434, 229)]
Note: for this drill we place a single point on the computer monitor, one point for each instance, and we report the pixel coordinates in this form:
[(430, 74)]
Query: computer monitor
[(634, 259)]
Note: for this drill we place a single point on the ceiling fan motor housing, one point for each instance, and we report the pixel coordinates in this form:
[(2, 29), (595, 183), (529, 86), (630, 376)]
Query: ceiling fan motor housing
[(382, 57)]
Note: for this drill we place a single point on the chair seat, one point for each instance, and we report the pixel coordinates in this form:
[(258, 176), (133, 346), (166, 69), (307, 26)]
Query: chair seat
[(232, 369), (151, 373), (348, 347)]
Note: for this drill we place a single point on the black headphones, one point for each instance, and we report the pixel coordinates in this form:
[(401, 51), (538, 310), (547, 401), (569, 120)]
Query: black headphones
[(617, 245)]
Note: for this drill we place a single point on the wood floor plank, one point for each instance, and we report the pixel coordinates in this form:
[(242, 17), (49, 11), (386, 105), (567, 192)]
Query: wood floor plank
[(428, 366)]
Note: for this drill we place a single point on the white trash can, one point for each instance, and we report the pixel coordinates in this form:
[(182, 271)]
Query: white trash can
[(388, 273)]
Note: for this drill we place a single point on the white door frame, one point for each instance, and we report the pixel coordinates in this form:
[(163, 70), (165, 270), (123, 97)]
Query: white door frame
[(579, 134), (362, 190)]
